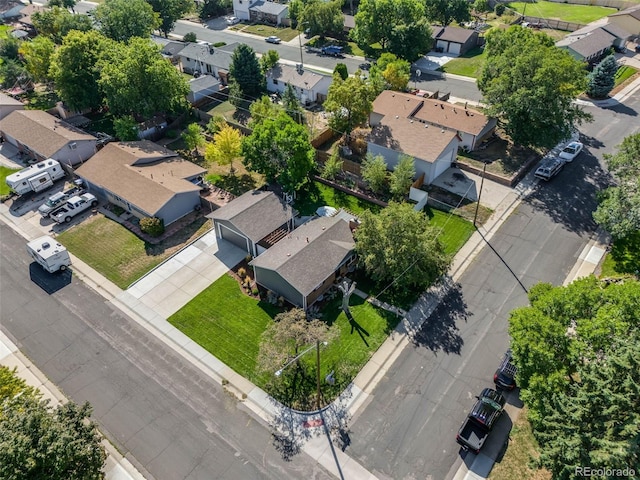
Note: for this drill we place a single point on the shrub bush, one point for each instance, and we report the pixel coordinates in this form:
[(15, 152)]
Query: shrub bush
[(219, 44), (242, 272), (499, 9), (152, 226), (190, 37)]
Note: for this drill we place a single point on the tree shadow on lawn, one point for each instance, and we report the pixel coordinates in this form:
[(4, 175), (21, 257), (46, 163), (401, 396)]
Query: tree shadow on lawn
[(439, 331), (625, 252), (236, 184)]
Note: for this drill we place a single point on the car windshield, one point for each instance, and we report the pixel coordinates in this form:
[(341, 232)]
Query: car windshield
[(570, 149), (52, 203), (492, 403)]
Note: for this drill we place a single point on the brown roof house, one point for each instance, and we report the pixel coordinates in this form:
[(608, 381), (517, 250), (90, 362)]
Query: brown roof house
[(145, 179), (304, 264), (41, 135), (589, 46), (253, 221), (628, 19), (428, 130), (454, 40)]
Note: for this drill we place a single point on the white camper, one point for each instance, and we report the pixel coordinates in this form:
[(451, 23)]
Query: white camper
[(35, 178), (49, 253)]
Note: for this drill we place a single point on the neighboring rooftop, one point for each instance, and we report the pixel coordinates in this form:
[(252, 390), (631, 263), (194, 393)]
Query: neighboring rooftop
[(40, 131), (632, 11), (8, 100), (256, 213), (218, 56), (270, 8), (305, 79), (310, 254), (590, 44), (144, 173), (453, 34)]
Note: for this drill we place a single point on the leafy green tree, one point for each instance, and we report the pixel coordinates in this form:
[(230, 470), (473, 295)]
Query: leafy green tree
[(246, 72), (295, 10), (396, 72), (170, 11), (263, 109), (190, 37), (74, 68), (68, 4), (126, 128), (215, 124), (235, 93), (603, 78), (332, 167), (401, 178), (481, 6), (214, 8), (376, 81), (142, 83), (122, 20), (9, 48), (322, 18), (292, 105), (57, 22), (37, 56), (531, 85), (446, 11), (398, 25), (280, 149), (287, 336), (269, 60), (14, 74), (618, 211), (37, 442), (225, 148), (341, 69), (374, 172), (398, 247), (349, 102), (578, 360), (499, 9), (193, 137)]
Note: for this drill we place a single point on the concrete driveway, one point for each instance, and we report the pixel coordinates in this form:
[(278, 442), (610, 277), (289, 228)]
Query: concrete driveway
[(174, 283)]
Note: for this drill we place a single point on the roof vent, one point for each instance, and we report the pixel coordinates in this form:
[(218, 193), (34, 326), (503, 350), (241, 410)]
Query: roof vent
[(397, 116), (426, 126), (454, 110), (467, 112), (442, 106), (410, 121)]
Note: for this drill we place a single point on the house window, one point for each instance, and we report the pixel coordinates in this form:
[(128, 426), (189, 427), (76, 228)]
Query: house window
[(275, 82)]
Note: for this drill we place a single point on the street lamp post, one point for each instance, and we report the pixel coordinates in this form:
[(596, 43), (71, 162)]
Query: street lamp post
[(302, 24), (317, 347), (475, 216)]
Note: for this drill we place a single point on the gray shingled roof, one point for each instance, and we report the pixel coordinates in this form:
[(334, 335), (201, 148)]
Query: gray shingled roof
[(309, 254), (594, 43), (221, 56), (270, 8), (256, 214), (454, 34)]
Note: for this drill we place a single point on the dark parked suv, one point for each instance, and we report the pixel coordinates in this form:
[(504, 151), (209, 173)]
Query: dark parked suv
[(505, 376)]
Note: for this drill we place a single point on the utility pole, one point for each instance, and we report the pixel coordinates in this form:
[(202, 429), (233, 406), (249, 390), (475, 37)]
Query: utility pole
[(318, 372)]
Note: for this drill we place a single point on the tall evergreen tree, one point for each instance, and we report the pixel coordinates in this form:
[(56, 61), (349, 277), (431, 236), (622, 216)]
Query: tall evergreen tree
[(246, 72), (291, 104), (603, 78)]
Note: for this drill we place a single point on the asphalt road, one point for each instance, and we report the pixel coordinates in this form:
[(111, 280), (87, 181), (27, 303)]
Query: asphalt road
[(408, 428), (163, 414)]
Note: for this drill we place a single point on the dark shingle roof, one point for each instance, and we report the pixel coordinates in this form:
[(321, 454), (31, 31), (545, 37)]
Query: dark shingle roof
[(310, 254), (454, 34), (256, 214), (270, 8)]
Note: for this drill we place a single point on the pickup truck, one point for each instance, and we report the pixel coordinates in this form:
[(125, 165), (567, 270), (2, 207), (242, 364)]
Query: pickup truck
[(74, 206), (481, 419)]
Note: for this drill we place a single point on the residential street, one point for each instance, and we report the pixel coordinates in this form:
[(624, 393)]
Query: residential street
[(168, 418), (408, 429)]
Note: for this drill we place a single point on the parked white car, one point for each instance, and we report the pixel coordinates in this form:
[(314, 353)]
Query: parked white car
[(232, 20), (272, 39), (571, 151)]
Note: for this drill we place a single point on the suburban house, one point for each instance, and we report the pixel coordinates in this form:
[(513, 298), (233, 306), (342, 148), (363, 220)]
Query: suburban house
[(253, 221), (145, 179), (628, 19), (304, 264), (40, 135), (309, 86), (200, 58), (590, 46), (170, 51), (429, 130), (454, 40), (9, 104), (261, 11), (201, 89)]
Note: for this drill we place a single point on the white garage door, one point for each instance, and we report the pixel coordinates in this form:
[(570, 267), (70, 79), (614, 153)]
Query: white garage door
[(454, 48)]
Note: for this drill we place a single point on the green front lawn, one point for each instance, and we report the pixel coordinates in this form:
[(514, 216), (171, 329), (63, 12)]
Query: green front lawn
[(624, 258), (317, 194), (228, 324), (563, 11), (623, 73), (455, 230), (4, 173), (469, 65), (117, 253), (285, 34)]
